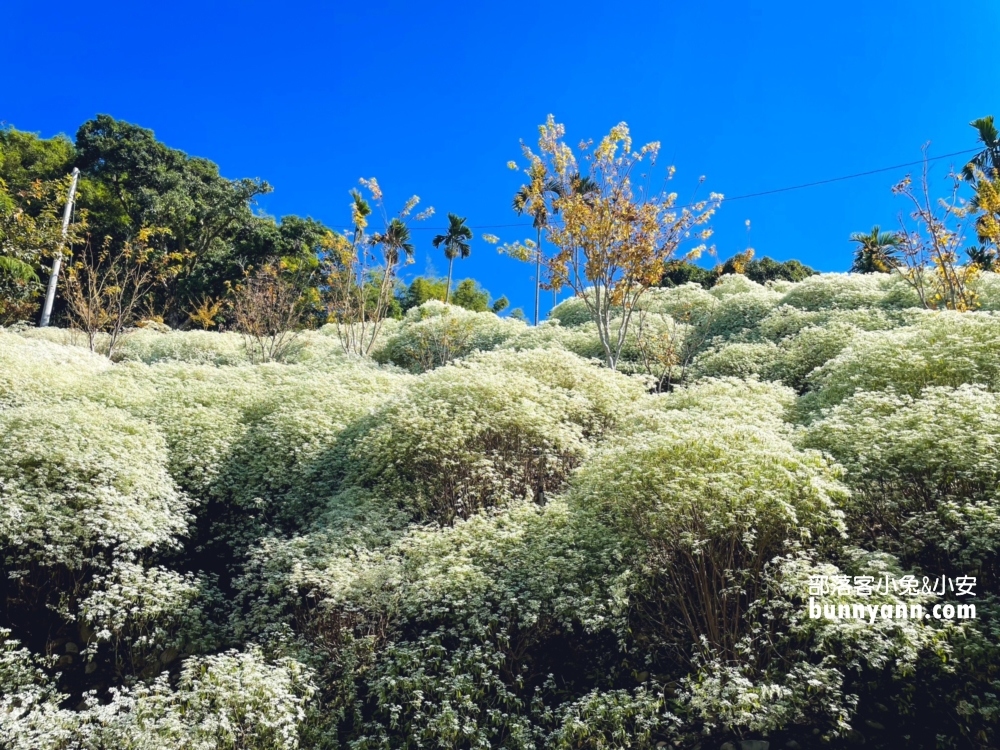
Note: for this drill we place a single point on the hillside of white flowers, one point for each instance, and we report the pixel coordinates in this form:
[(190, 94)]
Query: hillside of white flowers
[(483, 537)]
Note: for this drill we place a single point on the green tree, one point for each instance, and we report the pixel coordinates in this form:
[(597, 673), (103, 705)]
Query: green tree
[(456, 244), (876, 251), (135, 181), (681, 272), (422, 289), (470, 296), (768, 269), (30, 232), (26, 157)]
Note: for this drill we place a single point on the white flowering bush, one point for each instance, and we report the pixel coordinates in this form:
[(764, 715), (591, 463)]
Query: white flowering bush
[(987, 289), (486, 538), (201, 347), (737, 285), (688, 302), (434, 333), (785, 321), (571, 312), (810, 348), (746, 402), (704, 505), (134, 616), (608, 393), (741, 308), (38, 370), (851, 291), (580, 339), (738, 359), (928, 488), (79, 479), (937, 348), (232, 700), (464, 438)]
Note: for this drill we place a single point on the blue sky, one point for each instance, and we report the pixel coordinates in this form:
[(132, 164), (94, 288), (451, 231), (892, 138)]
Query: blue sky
[(433, 98)]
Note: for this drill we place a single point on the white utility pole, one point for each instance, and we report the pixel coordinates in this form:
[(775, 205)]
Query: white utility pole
[(50, 293)]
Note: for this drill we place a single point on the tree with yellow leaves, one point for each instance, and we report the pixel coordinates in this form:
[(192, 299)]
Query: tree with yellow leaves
[(930, 246), (617, 234)]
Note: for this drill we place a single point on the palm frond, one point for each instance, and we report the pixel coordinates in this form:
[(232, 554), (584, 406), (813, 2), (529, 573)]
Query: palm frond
[(17, 269)]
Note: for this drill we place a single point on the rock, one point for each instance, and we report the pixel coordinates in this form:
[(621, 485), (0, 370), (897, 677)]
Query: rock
[(72, 648), (728, 746), (792, 745), (90, 668)]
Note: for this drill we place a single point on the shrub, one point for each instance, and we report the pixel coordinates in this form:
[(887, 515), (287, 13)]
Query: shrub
[(608, 393), (35, 370), (582, 339), (464, 438), (738, 360), (810, 348), (79, 478), (739, 310), (785, 321), (231, 701), (138, 615), (987, 289), (572, 312), (434, 334), (736, 284), (747, 402), (703, 506), (196, 347), (850, 291), (924, 470), (938, 348)]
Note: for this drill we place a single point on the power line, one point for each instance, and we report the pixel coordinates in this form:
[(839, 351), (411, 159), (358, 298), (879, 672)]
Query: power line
[(752, 195), (847, 177)]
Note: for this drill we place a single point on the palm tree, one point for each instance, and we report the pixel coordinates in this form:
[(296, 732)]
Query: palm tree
[(395, 239), (876, 251), (534, 199), (986, 161), (455, 244)]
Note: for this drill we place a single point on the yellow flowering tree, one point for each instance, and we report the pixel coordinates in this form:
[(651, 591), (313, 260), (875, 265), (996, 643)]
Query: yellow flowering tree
[(617, 234)]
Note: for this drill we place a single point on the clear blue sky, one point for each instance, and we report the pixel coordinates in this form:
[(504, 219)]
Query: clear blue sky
[(432, 98)]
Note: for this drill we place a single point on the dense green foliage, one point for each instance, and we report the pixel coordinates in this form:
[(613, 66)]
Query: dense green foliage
[(205, 234), (486, 538), (762, 270)]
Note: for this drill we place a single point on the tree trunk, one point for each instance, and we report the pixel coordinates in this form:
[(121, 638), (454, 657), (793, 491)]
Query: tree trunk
[(447, 291), (538, 274)]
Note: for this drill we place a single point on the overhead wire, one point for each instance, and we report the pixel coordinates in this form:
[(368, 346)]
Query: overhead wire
[(759, 194)]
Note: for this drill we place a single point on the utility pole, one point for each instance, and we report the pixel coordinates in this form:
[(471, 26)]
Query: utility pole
[(50, 292)]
